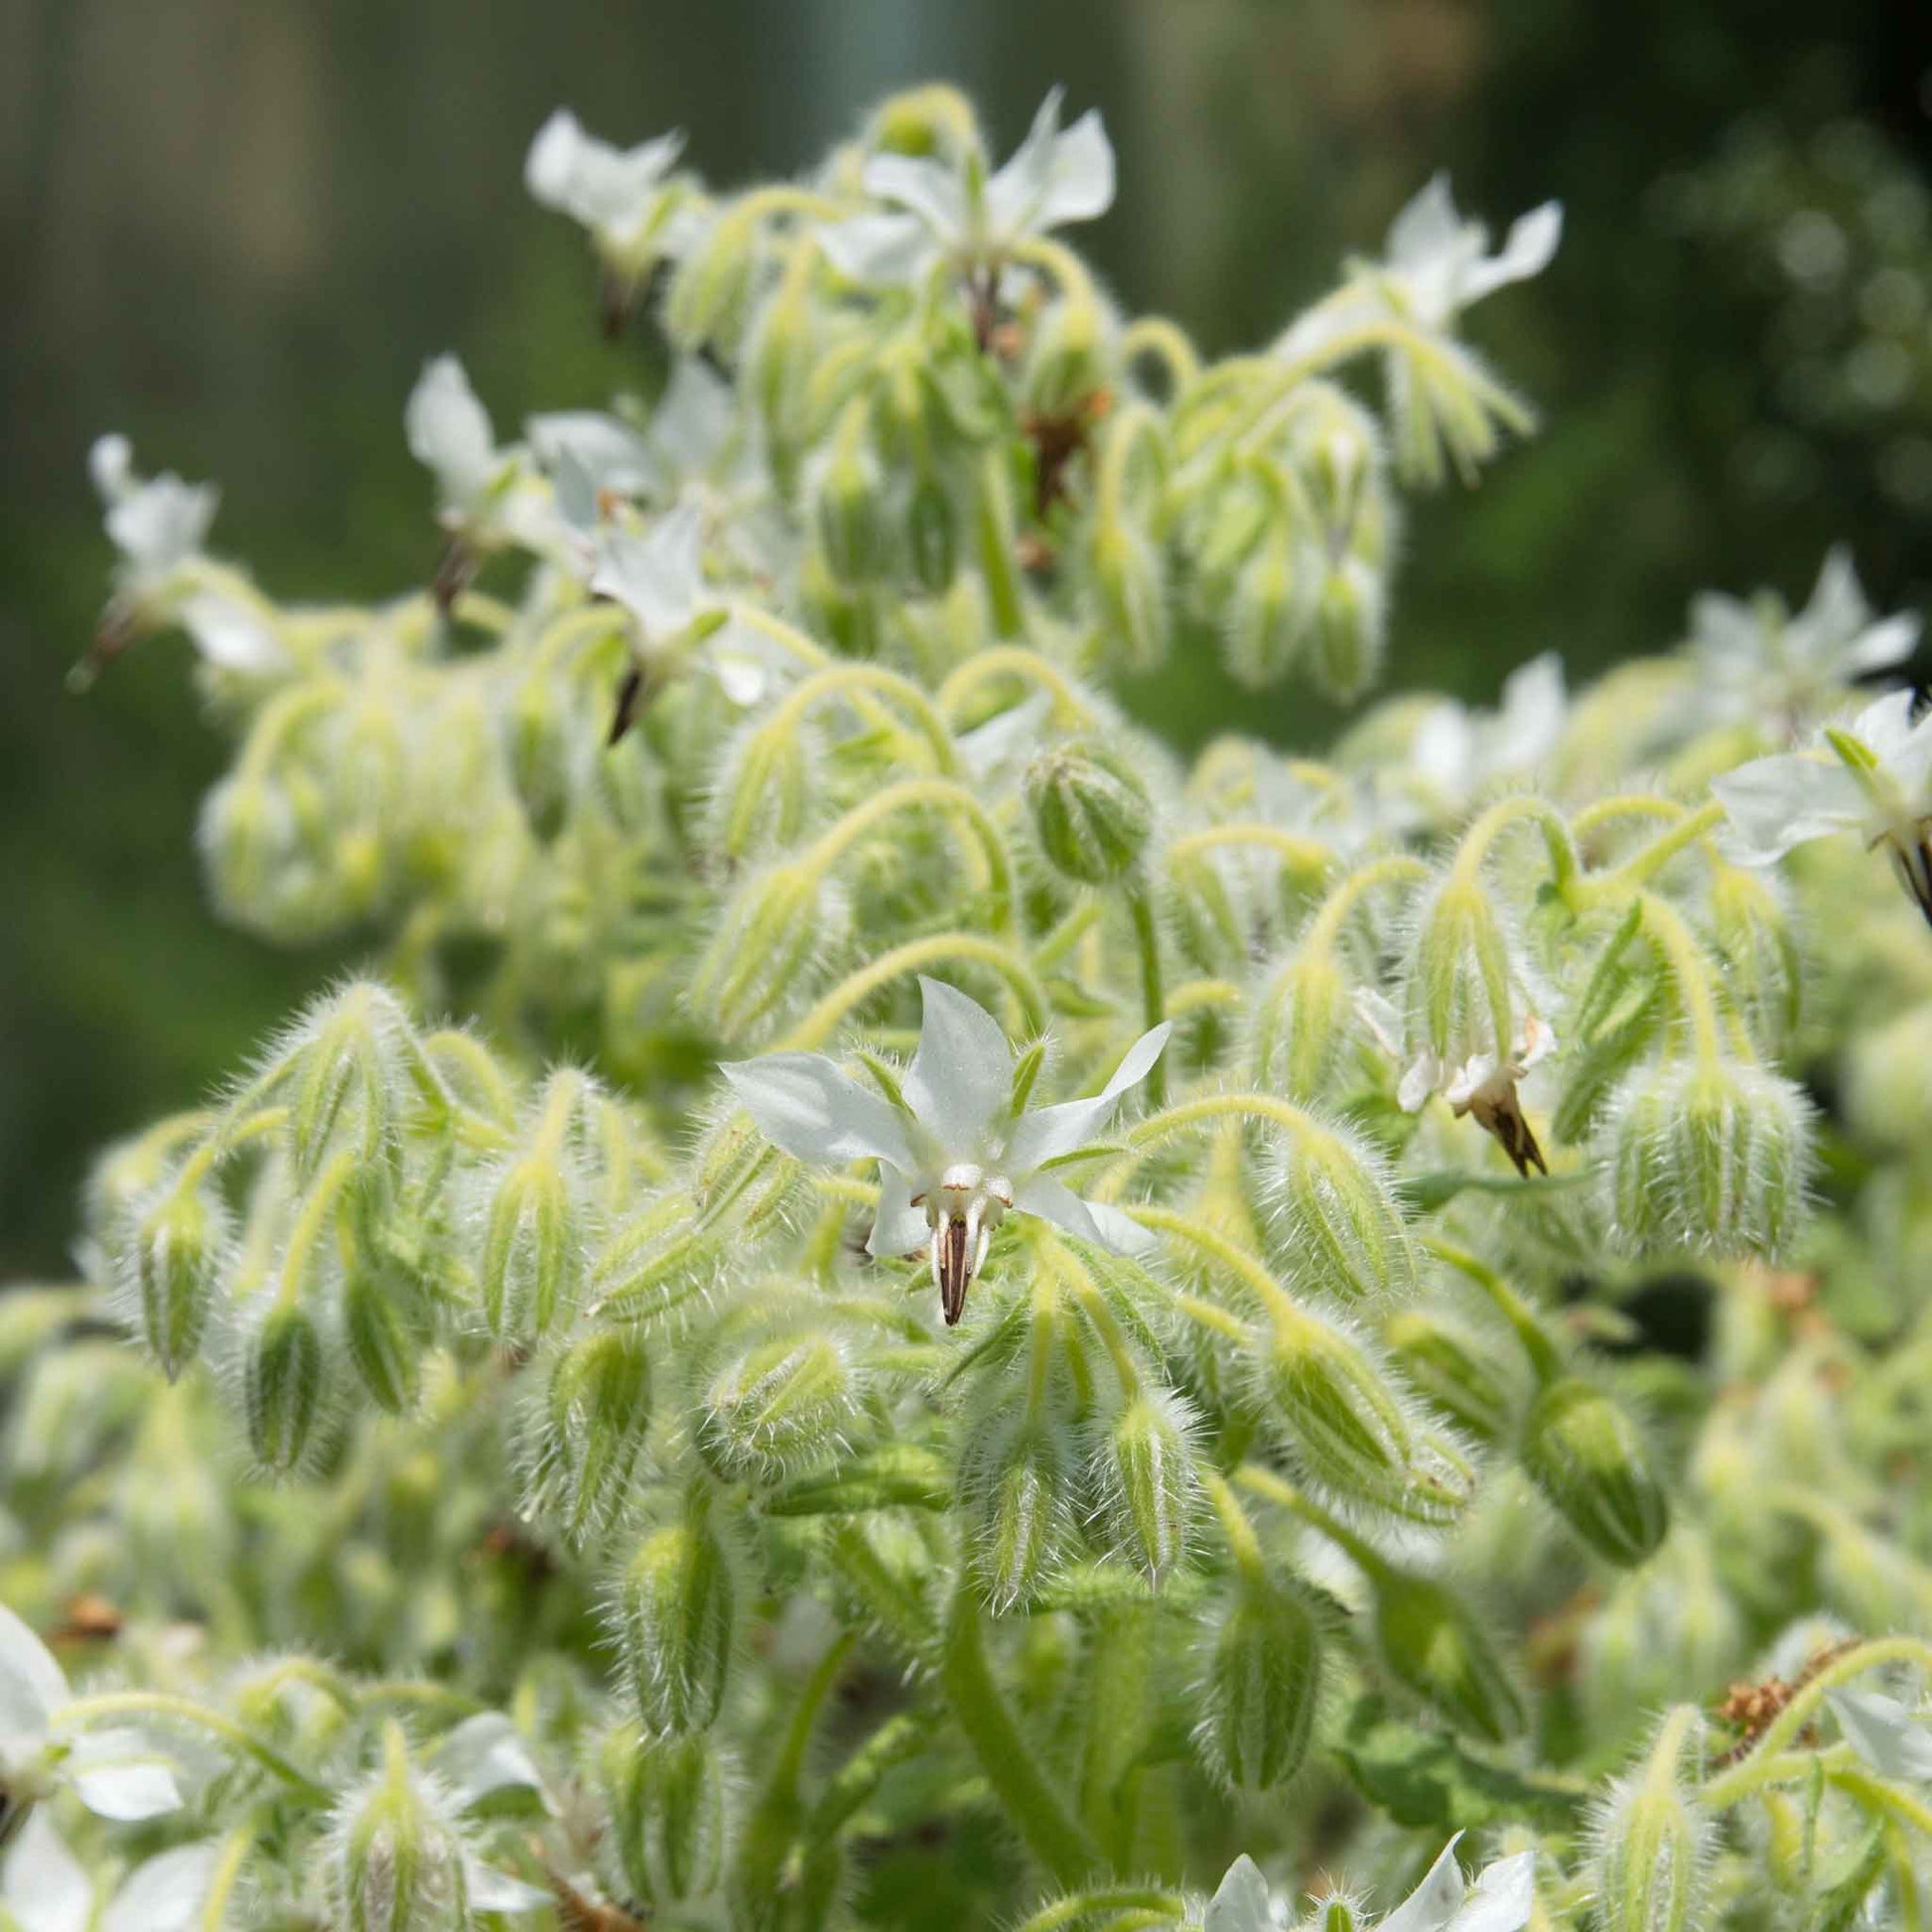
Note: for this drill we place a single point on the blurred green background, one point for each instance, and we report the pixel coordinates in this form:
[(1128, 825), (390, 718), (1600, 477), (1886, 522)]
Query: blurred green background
[(235, 227)]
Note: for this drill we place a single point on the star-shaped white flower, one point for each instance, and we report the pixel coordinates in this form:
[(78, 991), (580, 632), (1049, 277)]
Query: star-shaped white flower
[(1501, 1899), (1874, 777), (160, 525), (1457, 750), (116, 1773), (1756, 659), (955, 1153), (1056, 177), (618, 193)]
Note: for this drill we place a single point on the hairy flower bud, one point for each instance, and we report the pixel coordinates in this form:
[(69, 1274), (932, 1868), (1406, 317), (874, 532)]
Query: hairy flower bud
[(1301, 1020), (1350, 1430), (580, 1435), (397, 1862), (1431, 1644), (386, 1331), (780, 1403), (1271, 612), (848, 504), (1090, 809), (1707, 1156), (1064, 367), (174, 1258), (1763, 973), (1132, 590), (540, 748), (1587, 1456), (763, 946), (1144, 1472), (1652, 1841), (532, 1254), (1460, 1372), (676, 1617), (710, 292), (669, 1800), (931, 535), (1259, 1684), (1018, 1486), (1344, 649), (763, 793), (1335, 1222), (282, 1375)]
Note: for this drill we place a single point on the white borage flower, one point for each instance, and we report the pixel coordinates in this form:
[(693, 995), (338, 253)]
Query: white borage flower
[(1501, 1899), (160, 525), (42, 1888), (1886, 1732), (1458, 749), (1482, 1084), (957, 1147), (1874, 777), (952, 213), (1758, 660), (623, 196), (116, 1773)]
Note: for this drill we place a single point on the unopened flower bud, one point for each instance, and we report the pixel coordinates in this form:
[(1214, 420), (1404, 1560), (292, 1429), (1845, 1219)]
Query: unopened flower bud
[(176, 1256), (1710, 1157), (1064, 368), (848, 505), (281, 1376), (710, 293), (931, 535), (538, 742), (1431, 1644), (762, 793), (385, 1332), (582, 1434), (676, 1617), (1270, 611), (779, 1405), (1652, 1841), (1335, 1220), (532, 1254), (1350, 1430), (1458, 1370), (1587, 1456), (764, 945), (1131, 589), (669, 1800), (1344, 649), (1020, 1487), (347, 1079), (1301, 1020), (1766, 976), (1089, 808), (398, 1861), (1260, 1682), (1886, 1092), (1143, 1470)]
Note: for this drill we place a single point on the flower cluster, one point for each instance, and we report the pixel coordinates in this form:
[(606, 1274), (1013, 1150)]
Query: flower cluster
[(888, 1302)]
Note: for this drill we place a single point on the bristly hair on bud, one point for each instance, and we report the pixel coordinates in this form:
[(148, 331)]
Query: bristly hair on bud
[(1258, 1683), (674, 1615), (1653, 1841)]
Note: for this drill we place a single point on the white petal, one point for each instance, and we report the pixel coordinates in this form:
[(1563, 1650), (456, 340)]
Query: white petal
[(1427, 226), (42, 1883), (1377, 1012), (231, 636), (899, 1228), (1433, 1903), (874, 249), (1119, 1230), (1017, 190), (1442, 750), (448, 432), (961, 1076), (1080, 183), (110, 464), (804, 1104), (1837, 608), (1471, 1077), (1041, 1194), (1884, 1733), (612, 190), (1527, 250), (1532, 716), (32, 1685), (1884, 726), (122, 1774), (694, 417), (925, 187), (1779, 802), (166, 1893), (485, 1753), (1421, 1078), (162, 522), (1503, 1898), (659, 578), (612, 454), (552, 160), (1887, 642), (491, 1890), (1046, 1133), (1241, 1903)]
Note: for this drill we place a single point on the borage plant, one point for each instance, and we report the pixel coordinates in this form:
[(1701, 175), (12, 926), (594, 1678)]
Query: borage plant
[(890, 1307)]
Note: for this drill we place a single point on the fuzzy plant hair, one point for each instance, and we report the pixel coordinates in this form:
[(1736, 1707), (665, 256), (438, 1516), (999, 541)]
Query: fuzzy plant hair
[(888, 1302)]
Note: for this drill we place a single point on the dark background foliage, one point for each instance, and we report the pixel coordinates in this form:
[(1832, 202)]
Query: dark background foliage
[(235, 229)]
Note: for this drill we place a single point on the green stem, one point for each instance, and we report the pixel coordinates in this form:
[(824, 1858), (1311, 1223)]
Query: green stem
[(1647, 860), (1110, 1898), (1514, 1308), (839, 679), (1015, 661), (823, 1019), (1146, 940), (927, 794), (994, 529), (1032, 1807)]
